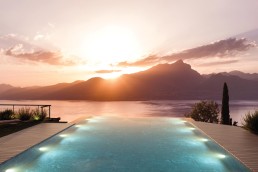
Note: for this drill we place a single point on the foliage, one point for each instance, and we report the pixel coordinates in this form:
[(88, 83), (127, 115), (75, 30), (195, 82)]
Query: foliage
[(24, 114), (225, 117), (205, 111), (6, 114), (251, 122), (38, 115)]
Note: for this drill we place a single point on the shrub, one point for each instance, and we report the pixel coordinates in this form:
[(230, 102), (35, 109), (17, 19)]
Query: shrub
[(205, 111), (24, 114), (38, 115), (6, 114), (251, 122)]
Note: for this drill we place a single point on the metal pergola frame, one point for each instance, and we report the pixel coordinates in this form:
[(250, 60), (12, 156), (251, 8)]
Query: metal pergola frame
[(28, 105)]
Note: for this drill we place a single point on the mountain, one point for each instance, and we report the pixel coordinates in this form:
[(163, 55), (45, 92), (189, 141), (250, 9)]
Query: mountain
[(34, 93), (248, 76), (239, 88), (5, 87), (252, 76), (161, 82)]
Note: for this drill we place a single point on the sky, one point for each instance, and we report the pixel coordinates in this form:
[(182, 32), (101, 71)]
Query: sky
[(44, 42)]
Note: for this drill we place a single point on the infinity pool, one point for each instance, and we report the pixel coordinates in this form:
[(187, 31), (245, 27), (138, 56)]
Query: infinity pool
[(131, 144)]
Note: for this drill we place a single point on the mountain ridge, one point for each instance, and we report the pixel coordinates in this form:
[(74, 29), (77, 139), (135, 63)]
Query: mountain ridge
[(162, 82)]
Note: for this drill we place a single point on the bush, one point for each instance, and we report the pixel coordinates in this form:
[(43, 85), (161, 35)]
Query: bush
[(24, 114), (205, 111), (251, 122), (38, 115), (6, 114)]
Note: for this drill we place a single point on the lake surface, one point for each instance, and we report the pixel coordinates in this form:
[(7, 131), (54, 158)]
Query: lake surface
[(71, 110)]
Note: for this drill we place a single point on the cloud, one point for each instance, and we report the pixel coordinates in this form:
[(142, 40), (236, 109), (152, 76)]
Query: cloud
[(107, 71), (38, 37), (48, 57), (10, 40), (150, 60), (26, 50), (219, 63), (223, 48)]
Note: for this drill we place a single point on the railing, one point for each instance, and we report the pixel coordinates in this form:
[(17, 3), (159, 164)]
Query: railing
[(29, 105)]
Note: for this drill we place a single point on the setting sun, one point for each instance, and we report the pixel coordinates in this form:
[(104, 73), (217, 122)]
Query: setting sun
[(130, 86), (110, 45)]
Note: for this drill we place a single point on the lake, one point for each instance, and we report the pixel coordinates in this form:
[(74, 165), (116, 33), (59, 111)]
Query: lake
[(71, 110)]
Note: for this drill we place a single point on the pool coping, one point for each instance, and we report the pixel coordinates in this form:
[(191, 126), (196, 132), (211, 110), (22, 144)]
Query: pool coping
[(14, 144), (233, 140)]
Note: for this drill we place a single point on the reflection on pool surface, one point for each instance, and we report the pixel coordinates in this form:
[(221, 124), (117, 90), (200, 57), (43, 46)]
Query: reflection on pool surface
[(105, 144)]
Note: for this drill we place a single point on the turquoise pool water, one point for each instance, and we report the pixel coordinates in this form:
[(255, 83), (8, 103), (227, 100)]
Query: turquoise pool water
[(131, 144)]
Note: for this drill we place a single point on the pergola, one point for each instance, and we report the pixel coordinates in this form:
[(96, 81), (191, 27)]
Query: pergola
[(29, 105)]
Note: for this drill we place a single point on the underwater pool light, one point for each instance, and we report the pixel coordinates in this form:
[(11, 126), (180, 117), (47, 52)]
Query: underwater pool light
[(43, 149), (221, 156), (186, 130), (63, 135), (204, 140), (178, 121), (10, 170), (93, 120)]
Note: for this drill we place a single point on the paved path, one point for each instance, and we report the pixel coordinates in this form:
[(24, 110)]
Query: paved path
[(239, 142), (13, 144)]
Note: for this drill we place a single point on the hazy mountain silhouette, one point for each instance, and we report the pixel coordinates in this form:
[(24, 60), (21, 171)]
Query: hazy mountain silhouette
[(5, 87), (239, 88), (248, 76), (164, 81), (33, 92)]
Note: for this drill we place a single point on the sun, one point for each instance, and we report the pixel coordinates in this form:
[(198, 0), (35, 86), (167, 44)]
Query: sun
[(111, 44)]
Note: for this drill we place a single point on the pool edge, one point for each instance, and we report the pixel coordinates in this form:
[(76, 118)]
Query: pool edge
[(241, 161)]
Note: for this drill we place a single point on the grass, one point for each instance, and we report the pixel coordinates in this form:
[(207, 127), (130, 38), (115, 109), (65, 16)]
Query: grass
[(6, 129)]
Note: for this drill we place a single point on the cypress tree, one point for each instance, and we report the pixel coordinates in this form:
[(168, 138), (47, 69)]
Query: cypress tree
[(225, 117)]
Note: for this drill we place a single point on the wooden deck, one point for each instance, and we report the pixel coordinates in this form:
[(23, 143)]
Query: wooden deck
[(13, 144), (239, 142)]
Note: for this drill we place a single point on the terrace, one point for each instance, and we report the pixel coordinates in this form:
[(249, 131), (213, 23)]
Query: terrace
[(13, 106), (238, 142)]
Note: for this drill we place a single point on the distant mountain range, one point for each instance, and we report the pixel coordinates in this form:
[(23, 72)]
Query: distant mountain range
[(162, 82), (248, 76), (5, 87)]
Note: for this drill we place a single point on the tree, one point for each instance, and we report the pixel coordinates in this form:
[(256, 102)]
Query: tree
[(205, 111), (251, 122), (225, 117)]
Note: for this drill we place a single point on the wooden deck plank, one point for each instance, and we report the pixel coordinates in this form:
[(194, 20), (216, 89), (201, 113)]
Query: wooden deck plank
[(13, 144), (239, 142)]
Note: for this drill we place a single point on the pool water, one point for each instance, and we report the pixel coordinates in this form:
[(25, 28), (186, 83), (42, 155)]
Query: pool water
[(131, 144)]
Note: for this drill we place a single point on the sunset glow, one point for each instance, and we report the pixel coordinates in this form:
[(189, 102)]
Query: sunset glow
[(128, 85), (111, 45), (69, 41)]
